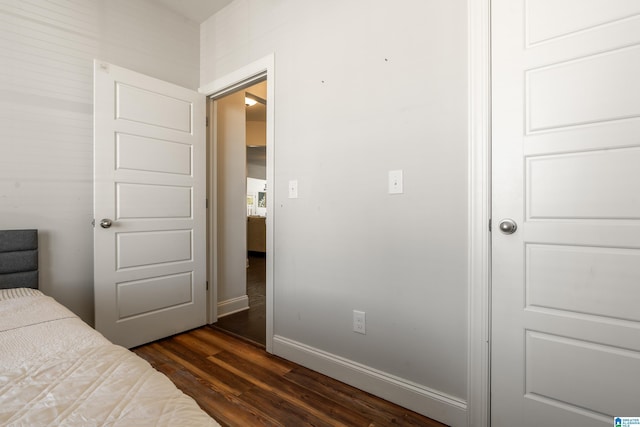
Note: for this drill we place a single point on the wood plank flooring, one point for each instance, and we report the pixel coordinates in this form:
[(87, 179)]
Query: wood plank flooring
[(239, 384), (252, 323)]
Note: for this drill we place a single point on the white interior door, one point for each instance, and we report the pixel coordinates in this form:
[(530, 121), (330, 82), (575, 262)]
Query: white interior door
[(566, 169), (149, 183)]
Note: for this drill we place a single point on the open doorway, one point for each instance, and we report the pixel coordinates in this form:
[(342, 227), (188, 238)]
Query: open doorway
[(236, 133)]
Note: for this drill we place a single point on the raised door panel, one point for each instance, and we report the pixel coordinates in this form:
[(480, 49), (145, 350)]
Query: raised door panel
[(566, 115), (150, 168)]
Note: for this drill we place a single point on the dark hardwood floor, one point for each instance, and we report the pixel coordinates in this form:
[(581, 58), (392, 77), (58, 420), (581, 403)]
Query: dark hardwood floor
[(251, 324), (239, 384)]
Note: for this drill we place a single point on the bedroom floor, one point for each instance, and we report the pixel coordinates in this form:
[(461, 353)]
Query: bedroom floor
[(239, 384), (251, 324)]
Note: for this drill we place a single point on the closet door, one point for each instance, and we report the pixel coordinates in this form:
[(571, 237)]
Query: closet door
[(566, 173)]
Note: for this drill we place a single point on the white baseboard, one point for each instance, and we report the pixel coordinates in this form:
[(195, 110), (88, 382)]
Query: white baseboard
[(233, 305), (431, 403)]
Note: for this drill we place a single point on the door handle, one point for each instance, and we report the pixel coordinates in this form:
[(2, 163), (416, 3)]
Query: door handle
[(105, 223), (508, 226)]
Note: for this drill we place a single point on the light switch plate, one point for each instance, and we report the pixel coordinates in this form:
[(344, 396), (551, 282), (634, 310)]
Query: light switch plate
[(395, 182), (293, 189)]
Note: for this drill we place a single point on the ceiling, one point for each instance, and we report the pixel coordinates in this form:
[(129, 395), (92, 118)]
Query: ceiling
[(258, 112), (196, 10)]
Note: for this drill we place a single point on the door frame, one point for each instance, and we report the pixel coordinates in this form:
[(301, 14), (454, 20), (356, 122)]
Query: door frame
[(228, 83), (479, 138)]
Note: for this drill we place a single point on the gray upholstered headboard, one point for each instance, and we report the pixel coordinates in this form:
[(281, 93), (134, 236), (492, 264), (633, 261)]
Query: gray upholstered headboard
[(18, 259)]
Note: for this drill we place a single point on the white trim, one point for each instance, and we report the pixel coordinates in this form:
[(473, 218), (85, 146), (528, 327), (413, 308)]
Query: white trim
[(251, 72), (432, 403), (478, 368), (229, 82), (233, 305), (212, 236)]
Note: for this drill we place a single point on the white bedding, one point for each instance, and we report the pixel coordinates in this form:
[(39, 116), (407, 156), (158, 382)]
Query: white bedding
[(56, 370)]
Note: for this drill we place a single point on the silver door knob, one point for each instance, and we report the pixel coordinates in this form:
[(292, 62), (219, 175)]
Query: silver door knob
[(508, 226), (105, 223)]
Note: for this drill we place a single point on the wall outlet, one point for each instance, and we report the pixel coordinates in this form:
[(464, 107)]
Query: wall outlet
[(359, 322)]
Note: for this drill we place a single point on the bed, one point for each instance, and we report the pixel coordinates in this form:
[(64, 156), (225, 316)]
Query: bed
[(57, 370)]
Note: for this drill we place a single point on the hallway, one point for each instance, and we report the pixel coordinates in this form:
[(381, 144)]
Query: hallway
[(250, 324)]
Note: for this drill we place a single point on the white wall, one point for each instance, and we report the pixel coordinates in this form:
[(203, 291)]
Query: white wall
[(363, 87), (46, 113)]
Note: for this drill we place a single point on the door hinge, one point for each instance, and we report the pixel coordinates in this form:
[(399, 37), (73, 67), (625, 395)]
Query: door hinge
[(206, 203), (489, 224), (207, 121), (207, 285)]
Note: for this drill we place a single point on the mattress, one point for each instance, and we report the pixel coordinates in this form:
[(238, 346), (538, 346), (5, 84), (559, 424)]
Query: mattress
[(56, 370)]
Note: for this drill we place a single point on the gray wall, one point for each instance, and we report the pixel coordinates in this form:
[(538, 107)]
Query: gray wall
[(46, 117), (364, 87)]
